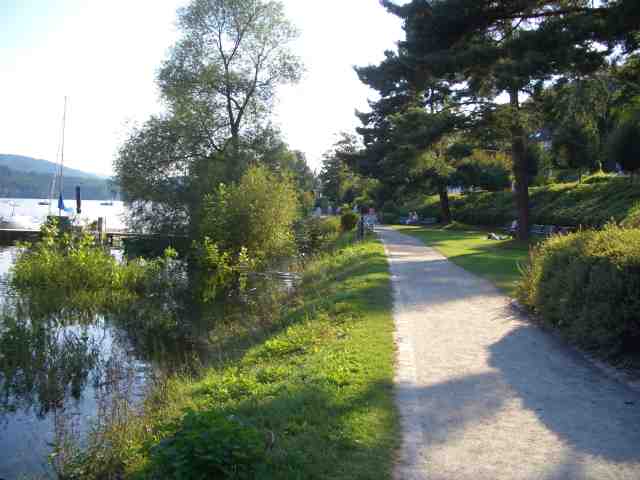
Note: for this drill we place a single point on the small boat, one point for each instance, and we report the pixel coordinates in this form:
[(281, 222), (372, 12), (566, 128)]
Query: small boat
[(19, 222), (109, 203), (44, 202)]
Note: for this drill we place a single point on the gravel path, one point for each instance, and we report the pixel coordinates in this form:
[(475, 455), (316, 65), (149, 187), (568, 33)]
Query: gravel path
[(483, 395)]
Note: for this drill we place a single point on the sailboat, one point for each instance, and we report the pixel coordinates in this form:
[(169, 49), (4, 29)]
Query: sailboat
[(109, 203), (52, 186), (59, 176), (17, 222)]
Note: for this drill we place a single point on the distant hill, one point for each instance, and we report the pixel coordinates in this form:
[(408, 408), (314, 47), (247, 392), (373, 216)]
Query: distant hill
[(28, 164), (26, 177)]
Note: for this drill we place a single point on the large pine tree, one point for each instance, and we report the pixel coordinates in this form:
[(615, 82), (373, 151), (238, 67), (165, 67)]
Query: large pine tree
[(487, 48), (406, 131)]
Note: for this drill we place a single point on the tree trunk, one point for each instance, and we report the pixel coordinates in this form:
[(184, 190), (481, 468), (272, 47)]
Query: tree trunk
[(234, 158), (520, 167), (444, 203)]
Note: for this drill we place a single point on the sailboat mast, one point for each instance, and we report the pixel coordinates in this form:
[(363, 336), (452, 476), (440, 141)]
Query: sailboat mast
[(64, 121)]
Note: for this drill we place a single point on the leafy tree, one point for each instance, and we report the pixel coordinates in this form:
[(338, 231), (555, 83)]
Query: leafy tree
[(580, 115), (627, 87), (488, 48), (340, 184), (487, 170), (225, 69), (624, 146), (218, 85), (576, 146), (424, 141), (274, 153)]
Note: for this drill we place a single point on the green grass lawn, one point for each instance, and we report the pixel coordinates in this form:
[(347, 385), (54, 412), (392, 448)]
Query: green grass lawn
[(494, 260), (311, 399)]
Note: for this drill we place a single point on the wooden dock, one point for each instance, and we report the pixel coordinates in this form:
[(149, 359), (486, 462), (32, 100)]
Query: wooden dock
[(10, 236)]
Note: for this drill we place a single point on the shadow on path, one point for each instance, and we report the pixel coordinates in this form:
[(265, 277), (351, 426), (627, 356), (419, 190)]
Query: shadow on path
[(495, 397)]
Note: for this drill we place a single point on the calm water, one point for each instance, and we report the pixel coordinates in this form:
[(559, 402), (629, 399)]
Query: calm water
[(59, 369), (91, 210), (54, 372)]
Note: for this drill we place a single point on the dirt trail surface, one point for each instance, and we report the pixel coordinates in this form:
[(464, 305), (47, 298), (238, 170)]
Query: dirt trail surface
[(485, 395)]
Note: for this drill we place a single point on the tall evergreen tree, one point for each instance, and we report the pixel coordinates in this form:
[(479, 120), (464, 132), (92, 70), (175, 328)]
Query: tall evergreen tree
[(405, 130), (487, 48)]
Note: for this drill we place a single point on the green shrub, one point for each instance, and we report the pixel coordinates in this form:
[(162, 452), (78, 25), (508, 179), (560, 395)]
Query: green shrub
[(575, 146), (217, 271), (314, 233), (210, 445), (69, 270), (389, 218), (256, 214), (65, 265), (587, 285), (348, 221), (392, 213), (153, 247)]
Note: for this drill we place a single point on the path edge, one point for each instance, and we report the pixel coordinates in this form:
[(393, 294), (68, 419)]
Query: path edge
[(610, 371), (406, 398)]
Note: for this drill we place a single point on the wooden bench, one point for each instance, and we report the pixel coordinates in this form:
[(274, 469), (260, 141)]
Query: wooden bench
[(428, 221), (540, 230)]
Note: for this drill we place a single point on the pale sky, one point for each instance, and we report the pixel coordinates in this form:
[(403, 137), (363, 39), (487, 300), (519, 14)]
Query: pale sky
[(103, 54)]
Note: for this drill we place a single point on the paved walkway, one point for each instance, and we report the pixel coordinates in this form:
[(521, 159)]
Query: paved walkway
[(483, 395)]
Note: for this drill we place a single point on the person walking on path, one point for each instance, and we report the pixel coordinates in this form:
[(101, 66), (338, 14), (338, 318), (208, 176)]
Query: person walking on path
[(485, 395)]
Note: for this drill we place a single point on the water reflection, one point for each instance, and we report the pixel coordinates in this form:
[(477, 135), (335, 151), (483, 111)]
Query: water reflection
[(61, 366), (43, 363), (55, 369)]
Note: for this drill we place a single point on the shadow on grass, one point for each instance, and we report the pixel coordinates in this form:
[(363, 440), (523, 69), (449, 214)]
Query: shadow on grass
[(319, 397), (361, 279), (309, 432)]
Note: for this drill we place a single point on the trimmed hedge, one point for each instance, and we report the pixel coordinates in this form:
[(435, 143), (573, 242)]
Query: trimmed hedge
[(587, 285), (590, 204)]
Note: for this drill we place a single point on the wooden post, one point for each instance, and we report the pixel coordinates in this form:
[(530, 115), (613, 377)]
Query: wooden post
[(101, 230)]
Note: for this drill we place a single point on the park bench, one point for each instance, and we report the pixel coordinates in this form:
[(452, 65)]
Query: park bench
[(540, 230), (424, 221)]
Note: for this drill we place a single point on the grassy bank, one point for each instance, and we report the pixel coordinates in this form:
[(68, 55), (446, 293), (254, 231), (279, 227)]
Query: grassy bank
[(497, 261), (308, 395), (568, 204)]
